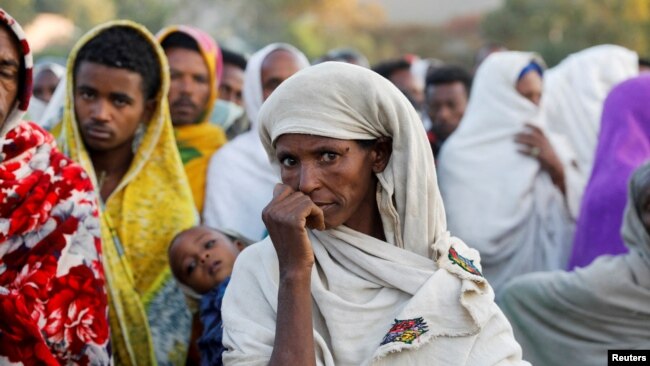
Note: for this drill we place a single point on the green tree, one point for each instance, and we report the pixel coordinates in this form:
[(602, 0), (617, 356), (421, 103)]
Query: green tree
[(556, 28)]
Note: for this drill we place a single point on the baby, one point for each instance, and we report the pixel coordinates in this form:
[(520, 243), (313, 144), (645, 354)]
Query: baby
[(201, 260)]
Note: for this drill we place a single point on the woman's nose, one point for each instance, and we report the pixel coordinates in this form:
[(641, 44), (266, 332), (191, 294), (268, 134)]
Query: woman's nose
[(308, 179)]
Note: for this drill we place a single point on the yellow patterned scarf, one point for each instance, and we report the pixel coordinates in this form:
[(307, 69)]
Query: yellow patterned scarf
[(148, 316), (197, 142)]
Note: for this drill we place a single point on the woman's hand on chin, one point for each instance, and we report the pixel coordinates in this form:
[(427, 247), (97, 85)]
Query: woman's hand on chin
[(287, 218)]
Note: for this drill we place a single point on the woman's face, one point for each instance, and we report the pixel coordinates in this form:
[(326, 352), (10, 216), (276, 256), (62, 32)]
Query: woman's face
[(530, 87), (338, 175)]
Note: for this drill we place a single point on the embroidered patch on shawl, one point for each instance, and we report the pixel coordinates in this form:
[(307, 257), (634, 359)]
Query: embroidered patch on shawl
[(405, 331), (464, 263)]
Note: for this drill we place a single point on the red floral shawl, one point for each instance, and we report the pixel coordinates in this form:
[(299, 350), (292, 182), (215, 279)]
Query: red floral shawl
[(52, 295)]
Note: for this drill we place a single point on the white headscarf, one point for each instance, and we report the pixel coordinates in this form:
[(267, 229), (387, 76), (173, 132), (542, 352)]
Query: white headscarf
[(575, 91), (240, 179), (596, 308), (361, 285), (498, 200)]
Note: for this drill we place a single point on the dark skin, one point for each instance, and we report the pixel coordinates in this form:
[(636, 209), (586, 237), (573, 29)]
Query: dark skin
[(109, 105), (534, 143), (45, 84), (446, 104), (548, 159), (277, 67), (9, 72), (325, 183)]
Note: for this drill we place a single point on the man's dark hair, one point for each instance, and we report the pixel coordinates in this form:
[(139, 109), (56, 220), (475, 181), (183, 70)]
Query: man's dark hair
[(450, 74), (124, 48), (388, 68), (180, 40), (234, 58)]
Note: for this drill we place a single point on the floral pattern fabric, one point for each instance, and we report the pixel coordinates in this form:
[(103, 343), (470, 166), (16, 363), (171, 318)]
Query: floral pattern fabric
[(52, 297)]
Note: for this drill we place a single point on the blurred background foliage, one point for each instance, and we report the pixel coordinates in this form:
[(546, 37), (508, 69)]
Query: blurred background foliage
[(554, 28)]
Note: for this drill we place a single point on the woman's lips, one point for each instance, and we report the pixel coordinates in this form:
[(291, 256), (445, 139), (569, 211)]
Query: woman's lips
[(324, 205)]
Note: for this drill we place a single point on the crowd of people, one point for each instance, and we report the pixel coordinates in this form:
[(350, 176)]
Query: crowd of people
[(165, 201)]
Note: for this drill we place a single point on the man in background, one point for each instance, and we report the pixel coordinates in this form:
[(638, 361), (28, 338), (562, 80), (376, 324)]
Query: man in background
[(447, 93)]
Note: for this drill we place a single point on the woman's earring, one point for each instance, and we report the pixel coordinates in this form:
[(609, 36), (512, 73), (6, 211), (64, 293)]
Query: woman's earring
[(137, 137)]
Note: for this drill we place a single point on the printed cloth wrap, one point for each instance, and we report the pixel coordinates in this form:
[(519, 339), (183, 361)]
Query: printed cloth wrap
[(52, 298)]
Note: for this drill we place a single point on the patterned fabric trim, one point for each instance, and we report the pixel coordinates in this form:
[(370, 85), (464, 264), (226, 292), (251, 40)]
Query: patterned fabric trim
[(462, 262), (405, 331)]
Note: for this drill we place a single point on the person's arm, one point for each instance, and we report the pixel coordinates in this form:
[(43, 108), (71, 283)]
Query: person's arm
[(287, 218), (539, 147)]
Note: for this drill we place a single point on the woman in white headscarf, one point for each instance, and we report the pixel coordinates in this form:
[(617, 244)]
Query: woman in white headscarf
[(358, 268), (240, 179), (601, 307), (47, 76), (575, 92), (504, 203)]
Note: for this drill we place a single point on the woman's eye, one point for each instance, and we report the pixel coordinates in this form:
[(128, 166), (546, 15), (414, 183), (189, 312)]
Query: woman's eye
[(288, 162), (329, 156), (209, 244)]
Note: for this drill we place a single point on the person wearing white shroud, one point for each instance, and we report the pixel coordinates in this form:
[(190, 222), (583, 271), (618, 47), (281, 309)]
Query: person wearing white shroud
[(240, 179), (498, 199), (358, 268), (584, 313), (575, 92)]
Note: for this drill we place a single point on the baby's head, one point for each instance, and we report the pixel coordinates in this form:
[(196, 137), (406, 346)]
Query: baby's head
[(202, 257)]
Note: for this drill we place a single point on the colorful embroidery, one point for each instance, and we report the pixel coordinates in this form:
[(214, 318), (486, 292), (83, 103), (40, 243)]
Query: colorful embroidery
[(464, 263), (405, 331)]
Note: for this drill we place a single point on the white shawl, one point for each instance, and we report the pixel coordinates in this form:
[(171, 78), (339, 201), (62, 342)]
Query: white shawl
[(361, 285), (498, 200), (240, 179), (575, 91), (584, 313)]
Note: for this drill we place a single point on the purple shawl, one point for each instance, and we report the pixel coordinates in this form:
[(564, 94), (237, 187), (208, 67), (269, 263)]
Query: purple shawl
[(623, 145)]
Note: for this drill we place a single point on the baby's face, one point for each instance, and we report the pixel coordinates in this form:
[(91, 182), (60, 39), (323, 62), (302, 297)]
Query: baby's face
[(201, 258)]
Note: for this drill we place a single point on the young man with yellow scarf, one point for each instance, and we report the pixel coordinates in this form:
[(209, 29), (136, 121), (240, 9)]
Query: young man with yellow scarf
[(195, 65), (116, 124)]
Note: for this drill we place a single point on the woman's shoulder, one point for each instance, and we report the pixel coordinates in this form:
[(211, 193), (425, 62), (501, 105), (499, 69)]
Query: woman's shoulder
[(457, 258)]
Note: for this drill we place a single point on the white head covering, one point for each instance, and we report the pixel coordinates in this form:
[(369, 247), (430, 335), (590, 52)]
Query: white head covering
[(575, 91), (38, 107), (416, 219), (253, 97), (498, 200), (240, 179), (599, 307), (359, 284)]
